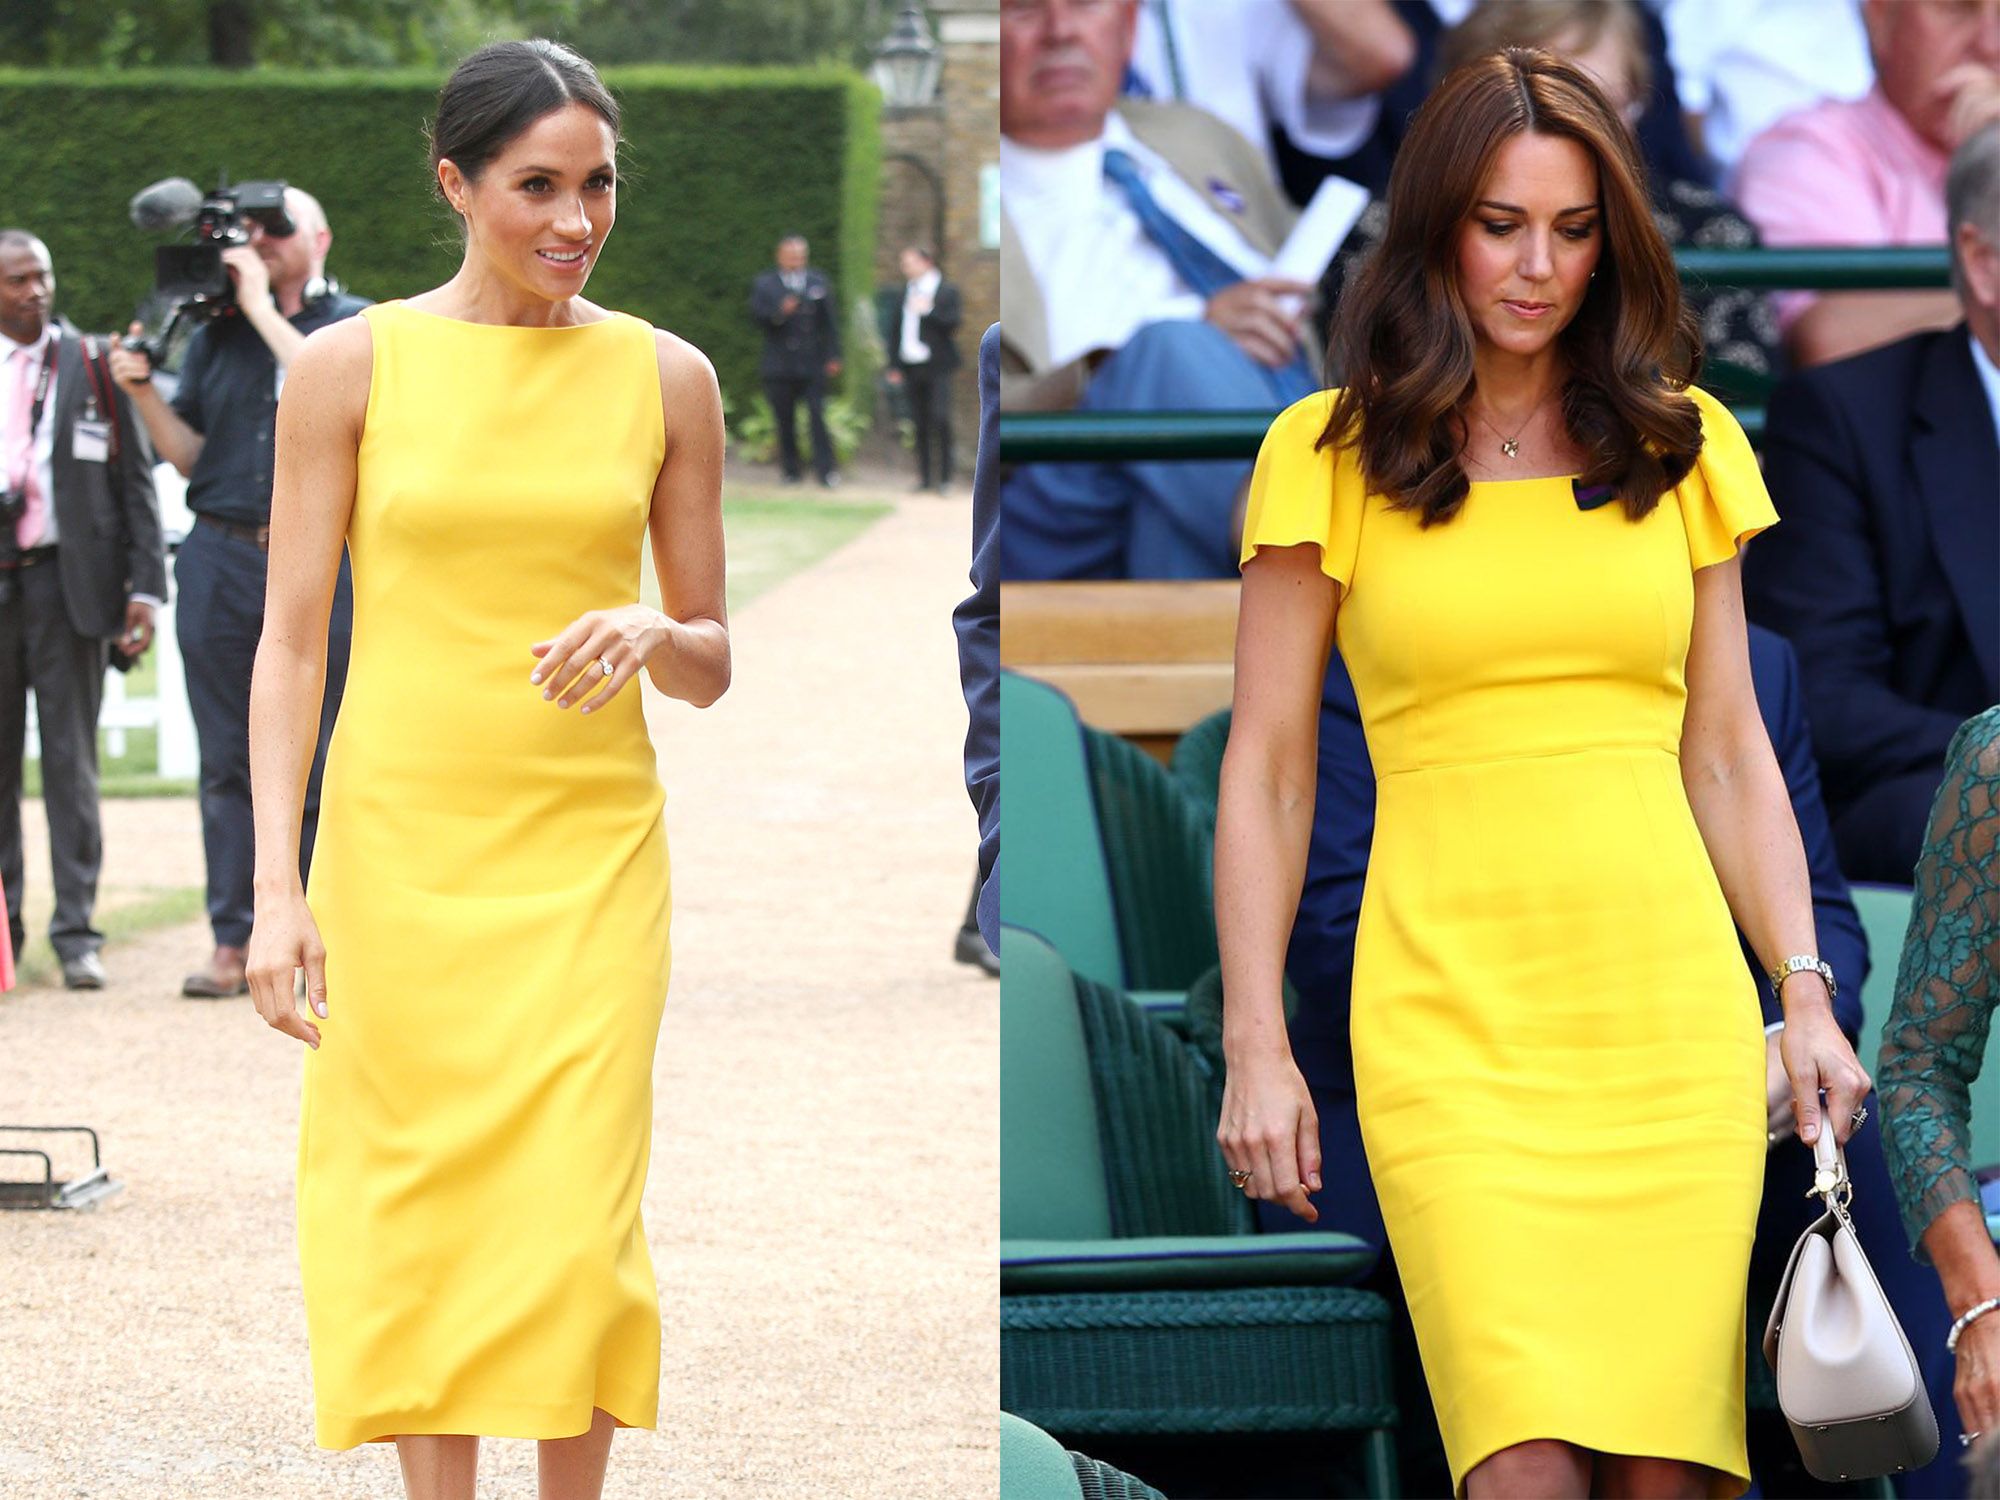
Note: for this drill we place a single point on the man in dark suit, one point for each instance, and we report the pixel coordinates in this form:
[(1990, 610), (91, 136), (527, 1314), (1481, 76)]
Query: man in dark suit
[(1320, 965), (1886, 573), (796, 307), (81, 565), (922, 356), (977, 621)]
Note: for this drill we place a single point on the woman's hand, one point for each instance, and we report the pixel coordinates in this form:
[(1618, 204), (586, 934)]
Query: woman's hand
[(284, 940), (573, 662), (1976, 1385), (1778, 1122), (1270, 1130), (1817, 1057)]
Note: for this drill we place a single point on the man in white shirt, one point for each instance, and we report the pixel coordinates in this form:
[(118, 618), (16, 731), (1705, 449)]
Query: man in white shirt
[(922, 356), (1136, 247), (81, 565), (1311, 68)]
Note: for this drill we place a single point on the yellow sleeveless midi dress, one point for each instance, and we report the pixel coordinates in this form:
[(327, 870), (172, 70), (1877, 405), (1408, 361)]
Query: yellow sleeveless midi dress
[(1558, 1050), (491, 883)]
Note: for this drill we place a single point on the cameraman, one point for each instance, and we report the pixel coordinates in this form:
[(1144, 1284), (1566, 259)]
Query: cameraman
[(220, 432)]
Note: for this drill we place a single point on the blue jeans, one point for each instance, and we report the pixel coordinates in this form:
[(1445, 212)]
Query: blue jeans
[(219, 614), (1144, 519)]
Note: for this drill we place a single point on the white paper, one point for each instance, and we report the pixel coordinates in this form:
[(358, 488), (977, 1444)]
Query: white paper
[(1322, 229)]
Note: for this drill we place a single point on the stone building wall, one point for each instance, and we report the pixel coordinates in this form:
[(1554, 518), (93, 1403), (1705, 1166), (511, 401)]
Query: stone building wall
[(940, 165)]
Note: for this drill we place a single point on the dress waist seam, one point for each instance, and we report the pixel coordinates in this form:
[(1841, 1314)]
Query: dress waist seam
[(1671, 752)]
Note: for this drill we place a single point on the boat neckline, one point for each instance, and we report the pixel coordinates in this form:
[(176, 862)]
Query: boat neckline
[(404, 304)]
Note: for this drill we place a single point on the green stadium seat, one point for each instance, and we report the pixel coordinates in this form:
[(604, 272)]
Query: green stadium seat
[(1136, 1296), (1055, 881), (1160, 851), (1197, 762)]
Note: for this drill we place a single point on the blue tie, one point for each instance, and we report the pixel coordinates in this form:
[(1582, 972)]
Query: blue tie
[(1205, 272)]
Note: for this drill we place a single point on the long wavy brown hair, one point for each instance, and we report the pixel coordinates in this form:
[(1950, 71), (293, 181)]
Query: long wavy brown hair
[(1403, 340)]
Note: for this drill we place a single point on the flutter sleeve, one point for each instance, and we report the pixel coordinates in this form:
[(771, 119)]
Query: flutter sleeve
[(1300, 492), (1723, 499)]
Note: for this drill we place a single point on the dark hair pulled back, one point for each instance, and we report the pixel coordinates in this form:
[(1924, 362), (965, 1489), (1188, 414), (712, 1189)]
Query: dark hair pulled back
[(502, 89)]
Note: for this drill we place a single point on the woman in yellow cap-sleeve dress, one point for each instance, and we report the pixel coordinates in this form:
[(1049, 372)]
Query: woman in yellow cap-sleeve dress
[(1520, 526), (484, 933)]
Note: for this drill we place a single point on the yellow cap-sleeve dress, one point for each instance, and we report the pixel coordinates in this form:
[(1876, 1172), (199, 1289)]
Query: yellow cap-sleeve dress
[(491, 883), (1558, 1050)]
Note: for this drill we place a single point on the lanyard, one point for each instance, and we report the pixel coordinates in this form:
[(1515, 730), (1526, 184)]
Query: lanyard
[(35, 413)]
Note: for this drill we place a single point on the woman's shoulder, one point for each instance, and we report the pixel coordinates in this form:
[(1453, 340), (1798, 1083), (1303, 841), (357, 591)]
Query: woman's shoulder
[(1302, 424), (1975, 748), (684, 369), (337, 355)]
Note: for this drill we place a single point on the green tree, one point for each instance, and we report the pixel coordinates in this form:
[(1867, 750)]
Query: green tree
[(728, 31), (280, 33)]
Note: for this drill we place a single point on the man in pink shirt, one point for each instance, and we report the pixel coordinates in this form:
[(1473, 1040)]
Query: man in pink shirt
[(1871, 171)]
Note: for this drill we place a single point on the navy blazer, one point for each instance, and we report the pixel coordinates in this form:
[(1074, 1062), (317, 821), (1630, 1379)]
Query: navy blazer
[(1320, 963), (977, 622), (1885, 574)]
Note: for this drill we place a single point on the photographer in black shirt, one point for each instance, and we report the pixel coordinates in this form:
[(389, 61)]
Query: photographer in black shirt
[(221, 432)]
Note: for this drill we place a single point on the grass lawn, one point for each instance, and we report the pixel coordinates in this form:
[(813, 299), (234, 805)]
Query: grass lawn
[(772, 533)]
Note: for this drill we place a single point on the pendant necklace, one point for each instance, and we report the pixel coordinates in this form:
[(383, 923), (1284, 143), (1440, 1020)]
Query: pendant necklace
[(1511, 446)]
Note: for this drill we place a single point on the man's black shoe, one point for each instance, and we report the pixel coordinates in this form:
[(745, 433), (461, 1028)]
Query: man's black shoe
[(972, 949), (84, 972)]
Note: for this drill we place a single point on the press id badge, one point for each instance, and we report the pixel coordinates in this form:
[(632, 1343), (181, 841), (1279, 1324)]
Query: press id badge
[(92, 444)]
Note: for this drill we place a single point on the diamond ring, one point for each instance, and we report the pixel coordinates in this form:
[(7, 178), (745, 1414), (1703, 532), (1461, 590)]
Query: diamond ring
[(1240, 1177), (606, 665), (1860, 1117)]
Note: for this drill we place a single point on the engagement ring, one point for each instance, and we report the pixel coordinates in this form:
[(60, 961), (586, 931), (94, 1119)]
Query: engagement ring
[(1861, 1117), (1240, 1178), (608, 668)]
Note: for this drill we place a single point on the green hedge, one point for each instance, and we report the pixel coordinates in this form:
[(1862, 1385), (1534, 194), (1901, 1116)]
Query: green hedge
[(719, 163)]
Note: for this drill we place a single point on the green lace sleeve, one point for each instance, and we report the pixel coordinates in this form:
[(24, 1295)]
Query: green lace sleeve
[(1946, 987)]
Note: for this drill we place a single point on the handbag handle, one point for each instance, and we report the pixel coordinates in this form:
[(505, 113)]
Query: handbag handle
[(1830, 1179)]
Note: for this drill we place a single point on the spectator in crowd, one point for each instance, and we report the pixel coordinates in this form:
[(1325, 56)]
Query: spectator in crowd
[(1313, 70), (794, 303), (221, 432), (1739, 68), (1888, 468), (1320, 965), (1871, 171), (922, 358), (977, 621), (81, 566), (1936, 1041), (1134, 275)]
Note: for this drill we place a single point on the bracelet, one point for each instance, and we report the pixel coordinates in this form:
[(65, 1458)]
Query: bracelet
[(1966, 1319)]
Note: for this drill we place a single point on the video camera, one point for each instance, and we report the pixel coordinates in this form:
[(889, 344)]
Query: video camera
[(191, 278)]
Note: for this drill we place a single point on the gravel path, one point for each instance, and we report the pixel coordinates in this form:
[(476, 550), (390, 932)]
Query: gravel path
[(823, 1206)]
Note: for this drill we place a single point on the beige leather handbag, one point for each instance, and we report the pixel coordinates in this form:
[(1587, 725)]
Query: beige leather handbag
[(1847, 1381)]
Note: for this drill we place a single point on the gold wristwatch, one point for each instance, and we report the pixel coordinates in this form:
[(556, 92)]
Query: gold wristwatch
[(1797, 963)]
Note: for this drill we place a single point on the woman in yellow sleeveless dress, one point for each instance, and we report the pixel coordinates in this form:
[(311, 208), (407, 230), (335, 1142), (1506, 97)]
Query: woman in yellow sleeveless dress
[(1559, 1064), (485, 936)]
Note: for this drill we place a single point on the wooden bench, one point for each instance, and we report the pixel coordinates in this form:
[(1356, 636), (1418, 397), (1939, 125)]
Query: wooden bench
[(1142, 659)]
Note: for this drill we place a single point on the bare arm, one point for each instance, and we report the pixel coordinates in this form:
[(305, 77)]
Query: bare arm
[(686, 527), (1359, 46), (319, 434), (312, 497), (175, 441), (1842, 323), (1740, 804), (1270, 773)]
